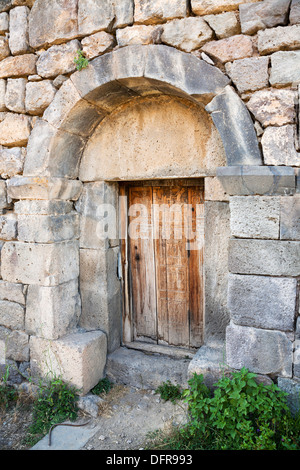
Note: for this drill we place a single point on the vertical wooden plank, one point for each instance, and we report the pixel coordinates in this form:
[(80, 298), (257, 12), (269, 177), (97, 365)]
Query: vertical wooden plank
[(123, 230), (172, 267), (141, 249), (196, 266)]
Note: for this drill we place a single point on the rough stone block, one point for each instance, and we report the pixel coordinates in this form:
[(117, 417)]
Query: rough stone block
[(255, 217), (4, 23), (269, 257), (278, 144), (224, 25), (214, 190), (4, 199), (96, 16), (257, 180), (98, 43), (18, 30), (100, 293), (249, 74), (186, 34), (98, 206), (52, 312), (18, 66), (209, 362), (56, 22), (51, 22), (51, 152), (38, 96), (292, 388), (12, 315), (260, 351), (69, 112), (229, 49), (273, 107), (295, 12), (26, 187), (2, 95), (290, 218), (4, 48), (266, 14), (280, 38), (58, 59), (11, 161), (13, 292), (153, 11), (47, 228), (216, 270), (54, 207), (15, 344), (297, 359), (298, 328), (205, 7), (139, 34), (15, 94), (123, 13), (14, 130), (8, 226), (238, 136), (262, 301), (78, 358), (285, 68), (40, 264)]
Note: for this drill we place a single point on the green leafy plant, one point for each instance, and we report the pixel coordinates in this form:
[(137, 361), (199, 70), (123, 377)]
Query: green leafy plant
[(238, 414), (55, 403), (81, 61), (169, 391), (8, 395), (242, 414), (104, 386)]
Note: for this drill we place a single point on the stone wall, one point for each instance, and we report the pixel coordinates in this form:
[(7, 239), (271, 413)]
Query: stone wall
[(256, 44)]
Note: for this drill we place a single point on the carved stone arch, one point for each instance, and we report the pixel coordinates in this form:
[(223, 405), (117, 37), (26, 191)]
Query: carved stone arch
[(83, 101)]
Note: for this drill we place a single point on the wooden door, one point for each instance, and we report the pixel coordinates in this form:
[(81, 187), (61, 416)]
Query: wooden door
[(166, 263)]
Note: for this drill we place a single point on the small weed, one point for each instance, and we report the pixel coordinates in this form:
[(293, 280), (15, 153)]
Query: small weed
[(8, 395), (81, 61), (56, 402), (169, 391), (104, 386)]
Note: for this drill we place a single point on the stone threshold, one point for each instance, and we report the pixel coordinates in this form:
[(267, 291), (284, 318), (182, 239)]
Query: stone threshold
[(170, 351), (145, 369)]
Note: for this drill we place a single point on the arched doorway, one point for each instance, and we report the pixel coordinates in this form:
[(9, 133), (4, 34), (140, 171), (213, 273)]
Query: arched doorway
[(63, 151)]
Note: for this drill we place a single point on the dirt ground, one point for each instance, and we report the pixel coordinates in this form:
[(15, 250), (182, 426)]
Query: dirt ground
[(127, 417)]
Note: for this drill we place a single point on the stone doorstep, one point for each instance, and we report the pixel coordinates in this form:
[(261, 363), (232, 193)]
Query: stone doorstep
[(149, 369), (145, 370)]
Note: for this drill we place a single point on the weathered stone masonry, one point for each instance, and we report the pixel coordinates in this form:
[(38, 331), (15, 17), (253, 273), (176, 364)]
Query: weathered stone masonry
[(232, 69)]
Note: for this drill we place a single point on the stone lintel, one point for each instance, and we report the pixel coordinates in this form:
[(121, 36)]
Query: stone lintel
[(257, 180)]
